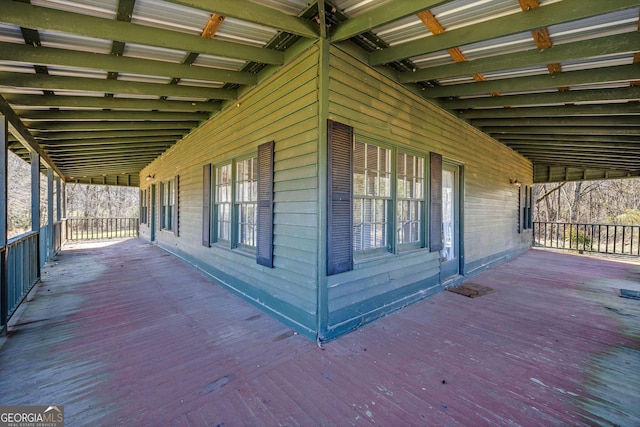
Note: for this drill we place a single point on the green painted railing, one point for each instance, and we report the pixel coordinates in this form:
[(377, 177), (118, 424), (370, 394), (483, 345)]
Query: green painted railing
[(601, 238), (101, 228), (22, 268)]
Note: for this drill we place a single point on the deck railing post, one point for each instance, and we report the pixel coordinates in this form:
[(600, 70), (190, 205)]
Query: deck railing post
[(618, 239)]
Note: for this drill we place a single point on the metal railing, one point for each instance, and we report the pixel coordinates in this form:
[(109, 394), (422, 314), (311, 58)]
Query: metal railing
[(23, 270), (602, 238), (101, 228)]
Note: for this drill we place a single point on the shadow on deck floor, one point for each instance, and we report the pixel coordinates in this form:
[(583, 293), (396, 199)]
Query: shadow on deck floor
[(125, 334)]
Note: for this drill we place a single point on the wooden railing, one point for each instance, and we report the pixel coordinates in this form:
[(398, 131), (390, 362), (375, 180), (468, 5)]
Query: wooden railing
[(101, 228), (602, 238), (22, 270)]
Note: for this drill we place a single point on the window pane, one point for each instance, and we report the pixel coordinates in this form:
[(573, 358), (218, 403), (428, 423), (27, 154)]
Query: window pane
[(247, 197), (223, 202), (410, 197)]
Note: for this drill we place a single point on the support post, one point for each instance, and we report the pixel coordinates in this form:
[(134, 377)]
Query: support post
[(50, 236), (58, 200), (35, 200), (4, 279)]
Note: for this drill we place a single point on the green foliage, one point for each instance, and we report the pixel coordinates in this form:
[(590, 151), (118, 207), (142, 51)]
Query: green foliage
[(577, 237), (629, 217)]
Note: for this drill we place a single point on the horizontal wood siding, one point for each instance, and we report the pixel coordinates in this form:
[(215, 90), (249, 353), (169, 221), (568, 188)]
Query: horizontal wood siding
[(283, 108), (381, 109)]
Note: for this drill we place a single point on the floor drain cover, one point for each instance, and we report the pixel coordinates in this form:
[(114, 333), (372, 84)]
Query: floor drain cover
[(626, 293), (472, 290)]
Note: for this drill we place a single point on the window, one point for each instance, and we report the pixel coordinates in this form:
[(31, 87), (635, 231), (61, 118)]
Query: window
[(247, 200), (371, 196), (167, 203), (242, 204), (525, 212), (144, 205), (223, 202), (374, 197), (410, 198)]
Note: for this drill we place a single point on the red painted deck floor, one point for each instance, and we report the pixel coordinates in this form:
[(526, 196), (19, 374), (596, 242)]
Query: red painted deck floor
[(124, 334)]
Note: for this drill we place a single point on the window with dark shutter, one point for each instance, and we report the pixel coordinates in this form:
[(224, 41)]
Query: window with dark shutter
[(264, 245), (339, 198), (435, 202), (176, 205), (206, 205)]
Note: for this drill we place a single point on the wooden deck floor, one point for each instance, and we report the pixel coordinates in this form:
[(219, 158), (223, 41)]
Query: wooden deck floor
[(124, 334)]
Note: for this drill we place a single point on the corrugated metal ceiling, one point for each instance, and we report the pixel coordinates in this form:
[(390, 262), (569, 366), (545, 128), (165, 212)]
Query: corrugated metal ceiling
[(127, 70)]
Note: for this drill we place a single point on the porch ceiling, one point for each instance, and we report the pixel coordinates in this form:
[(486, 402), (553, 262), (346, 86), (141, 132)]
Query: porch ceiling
[(103, 87)]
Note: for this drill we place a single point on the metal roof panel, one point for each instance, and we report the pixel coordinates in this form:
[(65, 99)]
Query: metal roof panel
[(170, 16), (100, 8)]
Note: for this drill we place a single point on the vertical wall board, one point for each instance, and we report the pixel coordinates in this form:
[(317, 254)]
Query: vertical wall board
[(283, 108), (381, 109)]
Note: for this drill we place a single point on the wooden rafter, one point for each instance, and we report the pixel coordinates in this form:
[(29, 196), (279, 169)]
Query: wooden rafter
[(212, 27), (432, 23)]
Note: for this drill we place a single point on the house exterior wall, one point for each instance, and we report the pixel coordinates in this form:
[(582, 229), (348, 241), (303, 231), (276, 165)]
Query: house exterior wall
[(291, 108), (284, 109), (381, 110)]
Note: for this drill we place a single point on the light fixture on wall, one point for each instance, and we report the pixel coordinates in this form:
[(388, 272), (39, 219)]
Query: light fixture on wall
[(150, 177), (515, 181)]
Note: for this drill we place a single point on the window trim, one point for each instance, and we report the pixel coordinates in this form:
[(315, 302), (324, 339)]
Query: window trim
[(167, 205), (234, 235), (236, 205), (215, 232), (422, 203), (393, 246)]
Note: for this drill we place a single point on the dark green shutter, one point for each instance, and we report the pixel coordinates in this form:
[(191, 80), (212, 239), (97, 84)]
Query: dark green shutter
[(264, 244), (162, 203), (529, 216), (206, 205), (521, 210), (176, 205), (435, 202), (339, 198)]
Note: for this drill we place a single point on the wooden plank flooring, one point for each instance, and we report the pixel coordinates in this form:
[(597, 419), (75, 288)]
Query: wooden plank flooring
[(122, 333)]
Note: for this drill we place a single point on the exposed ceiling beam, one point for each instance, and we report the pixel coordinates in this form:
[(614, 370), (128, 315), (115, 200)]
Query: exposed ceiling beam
[(619, 73), (379, 16), (88, 126), (560, 121), (73, 115), (566, 97), (123, 141), (97, 159), (49, 82), (256, 13), (559, 111), (24, 136), (42, 18), (555, 13), (112, 148), (39, 55), (522, 143), (108, 153), (573, 138), (59, 101), (562, 130), (45, 137), (619, 43)]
